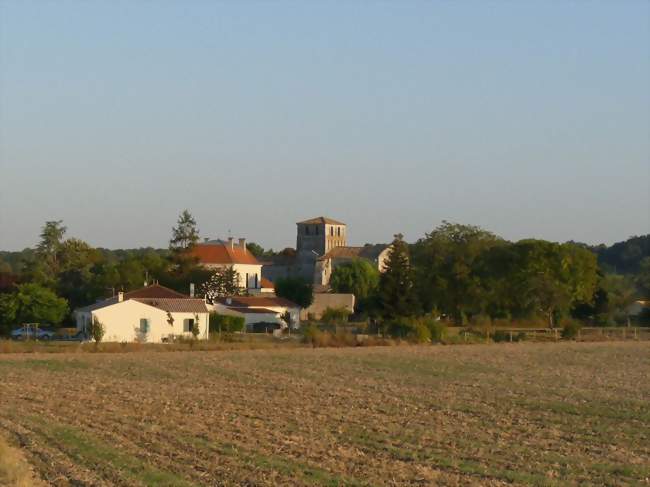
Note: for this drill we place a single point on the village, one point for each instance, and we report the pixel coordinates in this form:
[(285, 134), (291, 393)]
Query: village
[(157, 314)]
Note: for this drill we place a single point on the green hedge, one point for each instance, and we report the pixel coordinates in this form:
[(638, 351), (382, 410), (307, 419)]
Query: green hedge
[(225, 323)]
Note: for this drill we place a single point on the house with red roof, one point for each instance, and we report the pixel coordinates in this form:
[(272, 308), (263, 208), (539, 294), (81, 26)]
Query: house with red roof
[(218, 254), (152, 314)]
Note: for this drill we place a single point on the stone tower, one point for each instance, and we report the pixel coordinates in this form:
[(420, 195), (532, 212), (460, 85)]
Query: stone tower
[(320, 235)]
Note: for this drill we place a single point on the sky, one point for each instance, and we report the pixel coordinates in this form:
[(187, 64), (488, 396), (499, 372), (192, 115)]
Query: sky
[(529, 119)]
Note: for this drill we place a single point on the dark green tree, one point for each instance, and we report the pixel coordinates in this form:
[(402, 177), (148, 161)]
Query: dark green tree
[(643, 278), (295, 289), (396, 294), (446, 277), (184, 236), (32, 303)]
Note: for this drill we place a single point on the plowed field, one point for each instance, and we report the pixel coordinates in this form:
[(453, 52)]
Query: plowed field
[(541, 414)]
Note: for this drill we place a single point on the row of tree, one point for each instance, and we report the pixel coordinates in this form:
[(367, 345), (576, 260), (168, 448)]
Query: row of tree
[(463, 272)]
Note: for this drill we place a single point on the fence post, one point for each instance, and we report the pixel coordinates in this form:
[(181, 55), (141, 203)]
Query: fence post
[(510, 336), (635, 336), (555, 333)]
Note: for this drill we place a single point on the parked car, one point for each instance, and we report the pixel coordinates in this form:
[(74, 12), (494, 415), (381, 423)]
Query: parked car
[(32, 331)]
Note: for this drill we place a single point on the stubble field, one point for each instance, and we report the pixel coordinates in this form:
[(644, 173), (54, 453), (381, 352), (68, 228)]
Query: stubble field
[(540, 414)]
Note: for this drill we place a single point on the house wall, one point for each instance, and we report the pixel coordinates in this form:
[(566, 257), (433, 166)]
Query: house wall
[(251, 269), (122, 322)]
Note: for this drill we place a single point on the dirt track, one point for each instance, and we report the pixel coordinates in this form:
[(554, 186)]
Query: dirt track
[(481, 415)]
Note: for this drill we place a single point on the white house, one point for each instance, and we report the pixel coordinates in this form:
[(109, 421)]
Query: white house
[(218, 254), (152, 314), (258, 309)]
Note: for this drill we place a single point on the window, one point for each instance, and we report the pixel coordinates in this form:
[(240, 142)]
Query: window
[(338, 229), (315, 229), (144, 325), (332, 231), (256, 281), (306, 230), (247, 281), (188, 324)]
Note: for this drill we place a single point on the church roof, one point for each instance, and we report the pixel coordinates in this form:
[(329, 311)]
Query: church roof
[(370, 252), (320, 220)]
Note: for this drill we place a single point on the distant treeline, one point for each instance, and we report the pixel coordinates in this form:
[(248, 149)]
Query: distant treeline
[(460, 272)]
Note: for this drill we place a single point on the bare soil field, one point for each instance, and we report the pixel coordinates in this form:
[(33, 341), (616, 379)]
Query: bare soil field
[(523, 414)]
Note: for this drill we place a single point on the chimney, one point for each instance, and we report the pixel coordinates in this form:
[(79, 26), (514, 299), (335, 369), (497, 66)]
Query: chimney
[(242, 243), (191, 289), (120, 297), (231, 243)]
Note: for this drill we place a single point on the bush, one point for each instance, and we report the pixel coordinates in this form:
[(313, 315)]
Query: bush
[(437, 329), (335, 315), (225, 323), (414, 330), (570, 330)]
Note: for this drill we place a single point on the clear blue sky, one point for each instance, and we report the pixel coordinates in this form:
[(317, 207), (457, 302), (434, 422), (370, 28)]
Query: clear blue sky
[(530, 119)]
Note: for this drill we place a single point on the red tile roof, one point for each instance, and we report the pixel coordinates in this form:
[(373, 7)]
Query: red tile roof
[(176, 305), (154, 291), (223, 254)]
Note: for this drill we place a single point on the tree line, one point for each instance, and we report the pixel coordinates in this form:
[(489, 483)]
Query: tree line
[(458, 272), (466, 274)]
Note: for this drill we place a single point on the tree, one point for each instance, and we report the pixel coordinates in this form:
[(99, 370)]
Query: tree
[(184, 236), (358, 277), (255, 249), (195, 327), (33, 303), (643, 278), (75, 278), (295, 289), (550, 277), (445, 268), (396, 289), (96, 330), (51, 241), (223, 282), (621, 293)]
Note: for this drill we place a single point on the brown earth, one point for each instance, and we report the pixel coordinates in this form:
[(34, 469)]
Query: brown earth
[(540, 414)]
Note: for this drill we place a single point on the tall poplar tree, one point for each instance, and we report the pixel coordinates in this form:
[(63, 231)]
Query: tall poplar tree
[(184, 236)]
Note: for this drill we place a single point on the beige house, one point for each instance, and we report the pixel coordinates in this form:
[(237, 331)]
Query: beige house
[(215, 255), (153, 314)]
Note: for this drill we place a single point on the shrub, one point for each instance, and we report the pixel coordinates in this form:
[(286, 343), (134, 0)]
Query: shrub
[(97, 330), (335, 315), (414, 330), (437, 329), (570, 330), (226, 323)]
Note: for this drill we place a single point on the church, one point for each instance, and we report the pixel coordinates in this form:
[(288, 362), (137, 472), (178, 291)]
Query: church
[(321, 245)]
